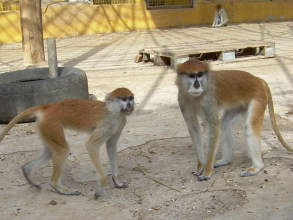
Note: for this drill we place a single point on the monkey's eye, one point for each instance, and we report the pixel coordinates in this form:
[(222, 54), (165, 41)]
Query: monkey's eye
[(124, 99), (199, 74), (191, 75), (127, 98)]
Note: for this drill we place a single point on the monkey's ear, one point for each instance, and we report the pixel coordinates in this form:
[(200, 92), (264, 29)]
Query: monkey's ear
[(179, 68), (108, 99)]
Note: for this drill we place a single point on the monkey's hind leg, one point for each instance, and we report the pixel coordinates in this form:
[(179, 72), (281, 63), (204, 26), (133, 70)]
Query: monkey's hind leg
[(44, 156), (253, 129), (226, 138), (59, 161), (53, 136)]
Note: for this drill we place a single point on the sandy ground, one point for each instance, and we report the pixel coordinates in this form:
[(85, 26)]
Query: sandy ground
[(156, 156)]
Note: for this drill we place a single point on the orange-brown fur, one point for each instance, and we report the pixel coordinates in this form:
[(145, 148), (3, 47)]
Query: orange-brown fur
[(238, 93), (218, 7), (103, 120)]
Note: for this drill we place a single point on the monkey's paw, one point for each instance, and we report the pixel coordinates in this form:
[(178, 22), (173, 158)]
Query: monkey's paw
[(121, 185), (76, 192), (64, 191), (219, 163), (246, 173), (203, 178), (69, 192), (250, 171), (98, 193), (197, 173), (36, 185)]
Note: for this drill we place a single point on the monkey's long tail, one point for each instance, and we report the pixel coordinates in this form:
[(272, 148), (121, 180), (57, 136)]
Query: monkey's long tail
[(27, 113), (273, 119)]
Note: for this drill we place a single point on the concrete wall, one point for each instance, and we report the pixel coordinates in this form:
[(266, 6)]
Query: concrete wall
[(67, 19)]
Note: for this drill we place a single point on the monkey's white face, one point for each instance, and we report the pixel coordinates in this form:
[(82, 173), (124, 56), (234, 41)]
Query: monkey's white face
[(194, 82), (127, 103)]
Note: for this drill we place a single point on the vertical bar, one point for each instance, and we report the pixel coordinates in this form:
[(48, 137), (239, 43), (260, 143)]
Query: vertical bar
[(31, 25), (52, 57)]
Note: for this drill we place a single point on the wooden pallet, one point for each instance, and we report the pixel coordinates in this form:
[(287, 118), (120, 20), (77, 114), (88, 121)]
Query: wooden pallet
[(231, 50)]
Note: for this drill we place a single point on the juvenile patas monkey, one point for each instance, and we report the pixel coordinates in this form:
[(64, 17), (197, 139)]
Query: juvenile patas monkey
[(103, 120), (221, 16), (202, 92)]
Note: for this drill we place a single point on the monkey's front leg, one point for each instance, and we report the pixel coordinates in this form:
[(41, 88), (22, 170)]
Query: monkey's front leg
[(93, 147), (195, 131), (112, 149), (213, 137), (211, 119), (216, 20)]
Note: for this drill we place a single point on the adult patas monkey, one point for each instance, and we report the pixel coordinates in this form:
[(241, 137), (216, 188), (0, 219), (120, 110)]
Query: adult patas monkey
[(104, 120), (202, 92), (221, 16)]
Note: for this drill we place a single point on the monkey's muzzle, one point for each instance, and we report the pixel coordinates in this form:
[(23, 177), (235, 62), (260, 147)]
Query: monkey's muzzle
[(127, 111)]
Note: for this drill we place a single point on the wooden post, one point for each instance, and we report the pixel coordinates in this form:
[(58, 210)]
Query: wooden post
[(52, 57), (32, 31)]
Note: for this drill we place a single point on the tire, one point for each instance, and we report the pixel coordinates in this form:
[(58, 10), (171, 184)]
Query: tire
[(20, 90)]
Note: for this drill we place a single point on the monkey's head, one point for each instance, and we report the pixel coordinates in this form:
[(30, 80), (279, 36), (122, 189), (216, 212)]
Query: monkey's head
[(122, 98), (218, 7), (192, 76)]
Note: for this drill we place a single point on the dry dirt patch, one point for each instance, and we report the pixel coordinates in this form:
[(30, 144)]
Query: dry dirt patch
[(161, 185)]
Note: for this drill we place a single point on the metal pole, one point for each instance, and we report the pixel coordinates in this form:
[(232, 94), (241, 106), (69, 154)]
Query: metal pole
[(52, 57)]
